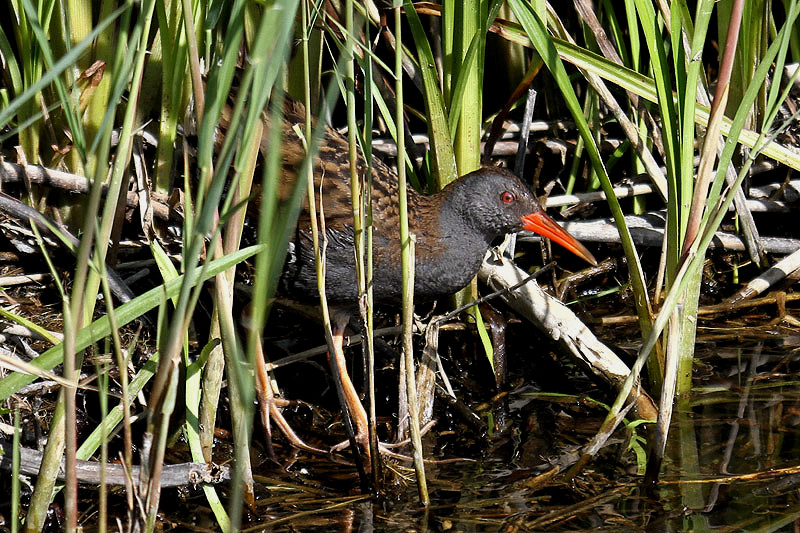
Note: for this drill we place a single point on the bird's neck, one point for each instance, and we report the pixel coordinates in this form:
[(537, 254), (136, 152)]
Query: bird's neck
[(449, 250)]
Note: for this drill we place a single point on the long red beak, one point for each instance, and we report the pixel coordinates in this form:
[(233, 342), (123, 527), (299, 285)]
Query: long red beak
[(545, 226)]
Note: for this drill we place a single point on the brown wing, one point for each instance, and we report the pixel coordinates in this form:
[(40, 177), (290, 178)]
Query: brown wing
[(331, 173)]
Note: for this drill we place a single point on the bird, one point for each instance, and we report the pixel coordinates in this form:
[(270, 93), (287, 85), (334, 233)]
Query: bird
[(454, 228)]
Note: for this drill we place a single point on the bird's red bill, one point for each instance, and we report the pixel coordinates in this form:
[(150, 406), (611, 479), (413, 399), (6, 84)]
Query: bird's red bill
[(545, 226)]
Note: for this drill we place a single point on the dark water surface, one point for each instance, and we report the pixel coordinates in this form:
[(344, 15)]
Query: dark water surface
[(733, 461)]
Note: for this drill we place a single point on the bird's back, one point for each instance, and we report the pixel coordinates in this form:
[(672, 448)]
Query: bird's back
[(332, 184)]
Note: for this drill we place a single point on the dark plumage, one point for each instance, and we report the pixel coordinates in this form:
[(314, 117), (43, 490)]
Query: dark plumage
[(453, 229)]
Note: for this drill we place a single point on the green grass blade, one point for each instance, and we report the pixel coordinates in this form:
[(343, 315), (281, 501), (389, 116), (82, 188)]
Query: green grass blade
[(126, 313), (546, 49), (444, 162), (56, 69)]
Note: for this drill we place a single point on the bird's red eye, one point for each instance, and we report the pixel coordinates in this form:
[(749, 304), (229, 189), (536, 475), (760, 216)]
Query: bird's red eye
[(507, 197)]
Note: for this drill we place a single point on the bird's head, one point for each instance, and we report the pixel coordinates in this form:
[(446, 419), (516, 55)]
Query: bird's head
[(494, 202)]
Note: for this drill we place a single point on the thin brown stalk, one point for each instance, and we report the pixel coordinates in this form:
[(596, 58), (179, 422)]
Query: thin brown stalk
[(709, 153), (407, 261)]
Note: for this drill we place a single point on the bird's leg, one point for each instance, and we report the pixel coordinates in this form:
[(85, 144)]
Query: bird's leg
[(357, 413), (269, 410)]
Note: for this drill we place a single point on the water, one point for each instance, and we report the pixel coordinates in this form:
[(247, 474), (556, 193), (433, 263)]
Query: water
[(732, 460)]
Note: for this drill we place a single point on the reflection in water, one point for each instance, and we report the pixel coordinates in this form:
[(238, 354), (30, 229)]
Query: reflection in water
[(731, 461)]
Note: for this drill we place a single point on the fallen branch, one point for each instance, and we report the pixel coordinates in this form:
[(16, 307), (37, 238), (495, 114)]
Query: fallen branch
[(13, 173), (559, 323), (88, 472)]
